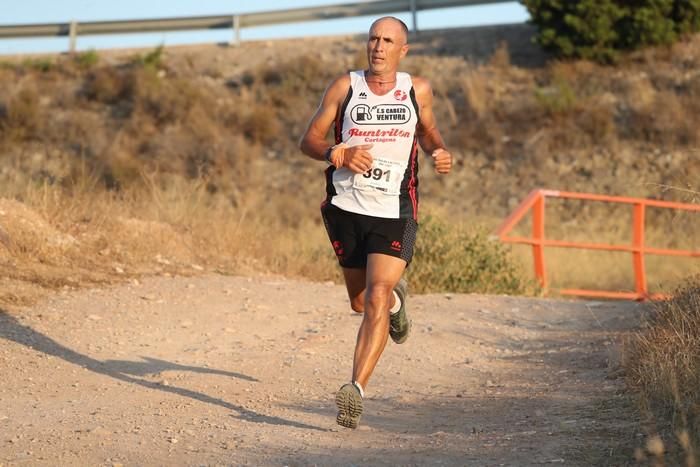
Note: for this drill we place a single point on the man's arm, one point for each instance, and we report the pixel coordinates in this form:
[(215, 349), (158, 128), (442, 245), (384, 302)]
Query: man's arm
[(429, 136), (313, 143)]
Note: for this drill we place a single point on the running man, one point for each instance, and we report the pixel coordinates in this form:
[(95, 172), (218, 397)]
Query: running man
[(379, 115)]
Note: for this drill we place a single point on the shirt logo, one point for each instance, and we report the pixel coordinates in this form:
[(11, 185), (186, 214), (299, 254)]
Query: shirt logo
[(400, 95), (382, 114), (363, 95)]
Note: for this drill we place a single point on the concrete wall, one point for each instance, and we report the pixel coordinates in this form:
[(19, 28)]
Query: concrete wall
[(477, 44)]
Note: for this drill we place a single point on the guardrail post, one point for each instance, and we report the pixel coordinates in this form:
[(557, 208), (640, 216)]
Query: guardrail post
[(236, 25), (414, 16), (73, 33), (640, 278), (538, 237)]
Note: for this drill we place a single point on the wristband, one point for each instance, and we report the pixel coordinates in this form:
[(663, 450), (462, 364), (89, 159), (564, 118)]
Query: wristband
[(327, 155)]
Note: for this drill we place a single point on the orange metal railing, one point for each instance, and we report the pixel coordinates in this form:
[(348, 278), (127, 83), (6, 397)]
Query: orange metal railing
[(535, 201)]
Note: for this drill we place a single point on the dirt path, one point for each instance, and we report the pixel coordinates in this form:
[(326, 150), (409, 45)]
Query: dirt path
[(236, 371)]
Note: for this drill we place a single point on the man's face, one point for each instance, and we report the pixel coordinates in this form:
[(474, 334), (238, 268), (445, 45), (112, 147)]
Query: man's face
[(386, 46)]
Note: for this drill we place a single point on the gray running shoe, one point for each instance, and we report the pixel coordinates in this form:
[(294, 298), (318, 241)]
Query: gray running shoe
[(400, 325), (349, 402)]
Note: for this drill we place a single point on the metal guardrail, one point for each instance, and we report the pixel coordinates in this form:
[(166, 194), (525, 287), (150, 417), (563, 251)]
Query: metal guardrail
[(235, 22), (535, 202)]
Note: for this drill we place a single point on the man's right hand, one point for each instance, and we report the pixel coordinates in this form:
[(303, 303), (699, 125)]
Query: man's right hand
[(356, 158)]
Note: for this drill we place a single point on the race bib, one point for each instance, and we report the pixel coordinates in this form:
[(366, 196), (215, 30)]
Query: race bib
[(385, 176)]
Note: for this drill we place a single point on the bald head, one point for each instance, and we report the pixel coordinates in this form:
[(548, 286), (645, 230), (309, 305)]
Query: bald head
[(392, 21)]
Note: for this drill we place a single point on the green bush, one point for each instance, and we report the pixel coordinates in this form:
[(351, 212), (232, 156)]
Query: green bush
[(452, 258), (87, 59), (599, 29), (43, 65), (153, 59), (559, 98), (686, 15)]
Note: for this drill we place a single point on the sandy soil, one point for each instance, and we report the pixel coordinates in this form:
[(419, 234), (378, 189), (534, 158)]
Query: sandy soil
[(220, 370)]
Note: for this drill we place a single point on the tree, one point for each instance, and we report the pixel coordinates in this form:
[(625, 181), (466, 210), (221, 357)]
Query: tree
[(600, 29)]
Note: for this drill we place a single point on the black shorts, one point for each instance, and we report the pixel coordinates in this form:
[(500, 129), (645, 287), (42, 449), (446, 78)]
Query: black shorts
[(354, 236)]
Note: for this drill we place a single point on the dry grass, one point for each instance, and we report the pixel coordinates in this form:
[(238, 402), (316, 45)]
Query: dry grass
[(151, 165), (222, 140), (60, 237), (81, 235), (663, 365)]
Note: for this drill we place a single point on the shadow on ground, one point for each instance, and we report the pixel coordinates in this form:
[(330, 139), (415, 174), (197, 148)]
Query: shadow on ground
[(12, 330)]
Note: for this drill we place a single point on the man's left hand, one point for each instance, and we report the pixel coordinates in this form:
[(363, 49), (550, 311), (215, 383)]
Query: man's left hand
[(443, 161)]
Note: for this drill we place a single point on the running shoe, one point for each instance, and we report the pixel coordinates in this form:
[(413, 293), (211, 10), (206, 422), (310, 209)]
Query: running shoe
[(400, 325), (349, 402)]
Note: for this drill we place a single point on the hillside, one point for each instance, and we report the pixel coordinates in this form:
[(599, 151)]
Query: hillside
[(184, 159), (167, 293), (234, 114)]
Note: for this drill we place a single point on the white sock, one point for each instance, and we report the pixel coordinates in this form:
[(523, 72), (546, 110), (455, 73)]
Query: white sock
[(359, 386), (397, 304)]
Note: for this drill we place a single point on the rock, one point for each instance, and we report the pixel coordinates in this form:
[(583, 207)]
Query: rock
[(159, 259), (100, 431), (655, 446), (5, 239)]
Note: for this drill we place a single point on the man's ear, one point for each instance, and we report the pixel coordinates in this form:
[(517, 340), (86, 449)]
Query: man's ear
[(404, 50)]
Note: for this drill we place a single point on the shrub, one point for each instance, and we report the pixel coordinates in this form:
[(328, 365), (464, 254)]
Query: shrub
[(296, 75), (559, 98), (599, 29), (153, 59), (108, 85), (451, 258), (686, 16), (261, 125), (585, 29), (43, 65), (664, 367), (21, 118), (87, 59), (166, 100)]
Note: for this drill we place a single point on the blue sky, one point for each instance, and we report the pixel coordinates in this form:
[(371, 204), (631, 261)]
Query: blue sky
[(63, 11)]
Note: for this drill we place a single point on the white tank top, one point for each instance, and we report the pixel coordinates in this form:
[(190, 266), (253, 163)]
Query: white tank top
[(388, 122)]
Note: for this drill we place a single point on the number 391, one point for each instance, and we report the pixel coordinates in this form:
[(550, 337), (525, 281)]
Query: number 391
[(377, 174)]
